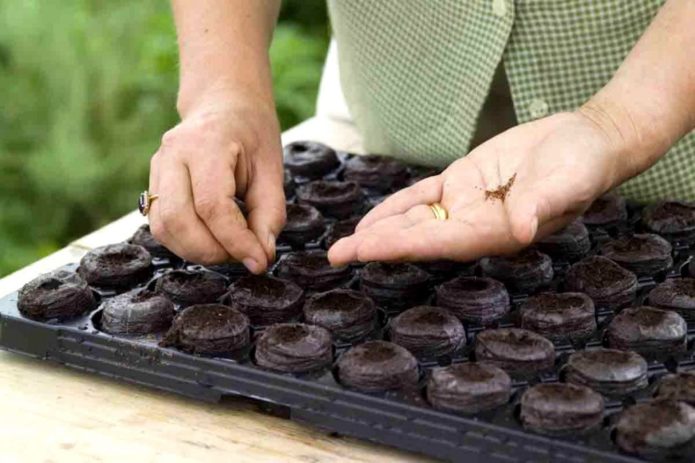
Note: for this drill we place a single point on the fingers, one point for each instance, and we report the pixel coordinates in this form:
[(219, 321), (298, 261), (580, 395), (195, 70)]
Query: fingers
[(265, 200), (428, 239), (426, 191), (214, 189), (173, 220)]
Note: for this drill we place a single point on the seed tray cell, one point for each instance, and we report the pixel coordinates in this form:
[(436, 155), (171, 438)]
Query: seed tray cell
[(401, 418)]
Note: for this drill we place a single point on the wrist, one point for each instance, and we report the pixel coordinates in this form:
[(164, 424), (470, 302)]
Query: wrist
[(634, 141)]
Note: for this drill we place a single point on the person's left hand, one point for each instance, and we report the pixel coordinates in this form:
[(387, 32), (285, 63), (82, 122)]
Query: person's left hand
[(560, 164)]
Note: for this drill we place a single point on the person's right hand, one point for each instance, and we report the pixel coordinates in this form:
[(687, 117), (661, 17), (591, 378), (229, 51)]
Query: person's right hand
[(218, 152)]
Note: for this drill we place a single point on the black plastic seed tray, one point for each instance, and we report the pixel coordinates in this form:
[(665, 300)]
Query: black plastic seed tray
[(401, 418)]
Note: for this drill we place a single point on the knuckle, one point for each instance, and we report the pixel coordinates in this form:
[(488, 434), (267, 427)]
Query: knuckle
[(158, 231), (205, 207), (170, 220)]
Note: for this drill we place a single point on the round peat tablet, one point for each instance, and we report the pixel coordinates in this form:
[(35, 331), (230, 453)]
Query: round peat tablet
[(609, 209), (116, 265), (524, 272), (341, 229), (332, 198), (515, 350), (561, 408), (265, 299), (559, 316), (473, 299), (188, 287), (608, 284), (468, 388), (427, 331), (608, 371), (674, 220), (60, 294), (346, 313), (647, 330), (210, 329), (677, 386), (379, 173), (568, 244), (378, 366), (677, 294), (312, 271), (655, 427), (288, 183), (143, 237), (643, 254), (294, 348), (395, 285), (444, 270), (310, 159), (304, 225), (137, 312)]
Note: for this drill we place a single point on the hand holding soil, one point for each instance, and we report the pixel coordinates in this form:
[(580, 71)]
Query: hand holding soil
[(521, 185)]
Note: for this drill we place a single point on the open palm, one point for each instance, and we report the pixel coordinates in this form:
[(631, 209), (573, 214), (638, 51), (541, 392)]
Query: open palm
[(558, 164)]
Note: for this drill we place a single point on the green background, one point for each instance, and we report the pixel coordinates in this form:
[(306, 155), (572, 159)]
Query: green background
[(87, 87)]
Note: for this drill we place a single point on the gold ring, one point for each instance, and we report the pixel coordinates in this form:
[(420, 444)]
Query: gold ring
[(145, 201), (439, 212)]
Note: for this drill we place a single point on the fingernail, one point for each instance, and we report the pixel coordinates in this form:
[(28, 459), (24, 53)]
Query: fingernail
[(534, 227), (251, 264), (271, 243)]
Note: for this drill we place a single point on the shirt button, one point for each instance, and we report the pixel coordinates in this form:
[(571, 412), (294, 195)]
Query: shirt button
[(538, 108), (499, 8)]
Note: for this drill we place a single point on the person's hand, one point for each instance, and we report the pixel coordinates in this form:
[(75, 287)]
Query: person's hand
[(218, 152), (558, 164)]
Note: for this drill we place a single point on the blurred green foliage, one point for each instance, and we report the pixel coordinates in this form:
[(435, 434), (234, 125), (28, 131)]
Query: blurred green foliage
[(87, 87)]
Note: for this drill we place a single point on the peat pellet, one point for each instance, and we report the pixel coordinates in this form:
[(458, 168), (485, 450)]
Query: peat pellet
[(427, 331), (677, 386), (346, 313), (608, 371), (143, 237), (294, 348), (677, 294), (608, 210), (444, 270), (288, 183), (304, 225), (608, 284), (377, 366), (561, 408), (378, 173), (395, 285), (332, 198), (643, 254), (473, 299), (137, 312), (468, 388), (524, 272), (209, 329), (188, 287), (60, 294), (265, 299), (647, 330), (116, 265), (340, 229), (515, 350), (568, 244), (674, 220), (655, 428), (559, 316), (312, 271), (309, 159)]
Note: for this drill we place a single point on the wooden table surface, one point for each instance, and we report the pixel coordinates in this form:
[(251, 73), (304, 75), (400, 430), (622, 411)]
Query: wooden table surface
[(49, 413)]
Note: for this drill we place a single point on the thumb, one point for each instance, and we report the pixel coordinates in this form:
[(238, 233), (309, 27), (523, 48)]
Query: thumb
[(265, 200)]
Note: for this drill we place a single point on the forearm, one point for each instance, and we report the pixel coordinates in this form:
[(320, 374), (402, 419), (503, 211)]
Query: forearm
[(649, 104), (223, 47)]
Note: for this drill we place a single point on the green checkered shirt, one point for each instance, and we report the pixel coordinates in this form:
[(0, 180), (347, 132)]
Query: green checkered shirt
[(416, 73)]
